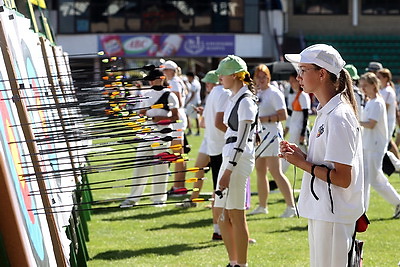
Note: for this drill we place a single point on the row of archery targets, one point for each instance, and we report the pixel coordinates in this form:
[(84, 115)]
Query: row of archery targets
[(37, 101), (48, 130)]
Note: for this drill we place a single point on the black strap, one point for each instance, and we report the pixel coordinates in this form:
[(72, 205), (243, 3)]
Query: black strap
[(312, 181), (233, 120), (233, 139), (328, 180)]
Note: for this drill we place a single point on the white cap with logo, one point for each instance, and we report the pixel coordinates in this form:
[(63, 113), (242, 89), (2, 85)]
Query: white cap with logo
[(322, 55)]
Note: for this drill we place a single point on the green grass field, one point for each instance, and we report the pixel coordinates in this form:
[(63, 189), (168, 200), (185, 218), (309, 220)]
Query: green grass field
[(150, 236)]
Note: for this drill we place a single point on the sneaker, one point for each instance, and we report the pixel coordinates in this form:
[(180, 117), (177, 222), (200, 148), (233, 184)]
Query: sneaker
[(127, 203), (252, 241), (216, 237), (177, 192), (397, 212), (186, 204), (259, 210), (289, 212)]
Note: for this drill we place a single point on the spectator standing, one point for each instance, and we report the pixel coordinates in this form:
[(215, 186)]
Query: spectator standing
[(298, 123), (272, 107), (192, 102), (389, 96), (211, 148), (375, 139)]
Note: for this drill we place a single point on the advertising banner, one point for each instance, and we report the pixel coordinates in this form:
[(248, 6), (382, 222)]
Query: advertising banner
[(167, 45)]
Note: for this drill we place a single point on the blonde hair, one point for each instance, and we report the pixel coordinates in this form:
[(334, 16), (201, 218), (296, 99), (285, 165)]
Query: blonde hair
[(244, 76), (386, 73), (371, 78)]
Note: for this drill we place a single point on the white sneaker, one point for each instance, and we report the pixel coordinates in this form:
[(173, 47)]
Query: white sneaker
[(397, 212), (289, 212), (252, 241), (259, 210), (127, 203)]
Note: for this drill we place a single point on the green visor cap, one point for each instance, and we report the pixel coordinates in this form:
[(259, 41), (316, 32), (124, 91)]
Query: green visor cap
[(352, 71), (230, 65), (211, 77)]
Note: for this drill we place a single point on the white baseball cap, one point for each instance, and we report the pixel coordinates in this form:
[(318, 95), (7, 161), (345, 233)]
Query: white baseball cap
[(169, 65), (322, 55)]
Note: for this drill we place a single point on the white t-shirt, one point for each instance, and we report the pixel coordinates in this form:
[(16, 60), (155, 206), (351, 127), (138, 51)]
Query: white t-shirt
[(247, 110), (335, 137), (296, 120), (375, 139), (177, 84), (153, 96), (217, 101), (270, 101), (194, 89), (389, 96)]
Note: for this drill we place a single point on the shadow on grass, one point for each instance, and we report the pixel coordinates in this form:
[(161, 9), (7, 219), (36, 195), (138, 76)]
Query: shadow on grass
[(153, 215), (382, 219), (188, 225), (290, 229), (167, 250)]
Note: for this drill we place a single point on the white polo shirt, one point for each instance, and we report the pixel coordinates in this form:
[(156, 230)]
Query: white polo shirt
[(247, 110), (335, 137), (217, 101), (375, 139), (389, 96)]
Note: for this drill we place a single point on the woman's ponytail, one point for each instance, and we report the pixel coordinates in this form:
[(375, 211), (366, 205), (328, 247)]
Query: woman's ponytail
[(346, 88)]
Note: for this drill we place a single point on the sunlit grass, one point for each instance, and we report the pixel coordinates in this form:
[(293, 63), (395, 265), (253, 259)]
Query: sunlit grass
[(150, 236)]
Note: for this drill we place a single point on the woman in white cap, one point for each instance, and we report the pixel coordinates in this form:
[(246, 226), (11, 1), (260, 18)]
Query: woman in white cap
[(238, 158), (375, 139), (331, 195), (168, 112), (178, 88)]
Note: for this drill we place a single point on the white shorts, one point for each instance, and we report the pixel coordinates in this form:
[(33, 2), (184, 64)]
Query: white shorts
[(191, 112), (235, 196), (269, 147)]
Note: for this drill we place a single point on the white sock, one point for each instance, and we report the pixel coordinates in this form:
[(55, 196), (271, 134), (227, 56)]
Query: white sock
[(233, 263), (216, 228)]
